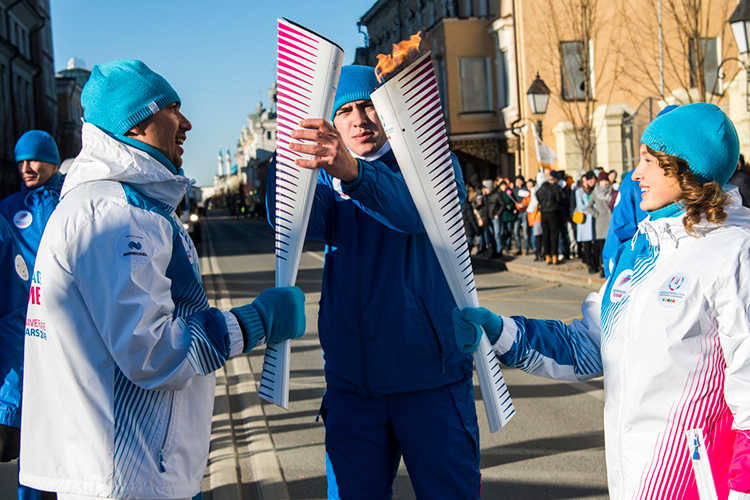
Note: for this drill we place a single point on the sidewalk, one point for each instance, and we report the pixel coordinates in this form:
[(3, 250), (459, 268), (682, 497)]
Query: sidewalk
[(571, 272)]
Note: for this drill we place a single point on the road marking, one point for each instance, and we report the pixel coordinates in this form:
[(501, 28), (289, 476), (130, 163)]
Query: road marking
[(517, 292), (248, 425)]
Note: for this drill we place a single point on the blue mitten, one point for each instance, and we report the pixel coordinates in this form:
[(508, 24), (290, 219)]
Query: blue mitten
[(467, 323), (277, 313)]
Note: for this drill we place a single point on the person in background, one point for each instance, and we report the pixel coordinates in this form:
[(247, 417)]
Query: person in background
[(495, 205), (585, 229), (549, 196), (741, 179), (471, 224), (521, 230), (121, 344), (534, 217), (507, 215), (668, 330), (38, 162), (612, 175), (29, 210), (563, 248), (598, 206)]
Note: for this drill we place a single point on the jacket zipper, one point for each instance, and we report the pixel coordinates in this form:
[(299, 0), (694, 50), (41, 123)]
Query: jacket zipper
[(431, 325), (701, 465), (162, 468)]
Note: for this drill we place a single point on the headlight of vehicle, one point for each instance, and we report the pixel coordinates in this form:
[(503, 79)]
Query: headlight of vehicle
[(185, 226), (193, 217)]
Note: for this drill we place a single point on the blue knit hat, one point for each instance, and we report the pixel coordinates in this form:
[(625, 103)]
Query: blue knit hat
[(702, 135), (37, 145), (121, 94), (356, 83)]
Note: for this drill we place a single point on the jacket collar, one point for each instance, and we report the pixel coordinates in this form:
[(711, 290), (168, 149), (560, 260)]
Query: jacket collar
[(105, 158)]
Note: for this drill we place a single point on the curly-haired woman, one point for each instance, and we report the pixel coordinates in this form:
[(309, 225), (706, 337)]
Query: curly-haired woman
[(669, 330)]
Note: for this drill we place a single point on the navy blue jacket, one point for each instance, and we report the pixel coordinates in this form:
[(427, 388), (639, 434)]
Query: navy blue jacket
[(15, 277), (385, 308), (28, 212)]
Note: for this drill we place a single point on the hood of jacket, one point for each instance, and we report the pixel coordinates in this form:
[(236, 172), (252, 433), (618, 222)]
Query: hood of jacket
[(104, 158)]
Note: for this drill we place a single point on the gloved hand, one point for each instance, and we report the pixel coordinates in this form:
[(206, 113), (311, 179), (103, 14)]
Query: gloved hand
[(10, 442), (277, 313), (467, 322)]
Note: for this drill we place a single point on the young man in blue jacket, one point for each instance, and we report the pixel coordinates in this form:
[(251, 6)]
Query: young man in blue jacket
[(29, 210), (396, 382), (26, 214)]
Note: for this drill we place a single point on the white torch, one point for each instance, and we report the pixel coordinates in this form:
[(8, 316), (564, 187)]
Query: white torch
[(308, 69), (410, 110)]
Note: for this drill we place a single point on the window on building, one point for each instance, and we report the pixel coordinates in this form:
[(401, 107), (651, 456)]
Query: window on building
[(711, 57), (503, 79), (268, 135), (475, 84), (576, 77)]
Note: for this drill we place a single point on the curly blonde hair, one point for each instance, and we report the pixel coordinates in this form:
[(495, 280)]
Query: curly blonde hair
[(700, 200)]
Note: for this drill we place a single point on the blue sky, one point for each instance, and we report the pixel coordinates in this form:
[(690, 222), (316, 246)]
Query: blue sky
[(220, 56)]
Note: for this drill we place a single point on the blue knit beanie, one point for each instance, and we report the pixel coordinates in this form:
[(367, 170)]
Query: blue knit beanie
[(121, 94), (702, 135), (356, 83), (37, 145)]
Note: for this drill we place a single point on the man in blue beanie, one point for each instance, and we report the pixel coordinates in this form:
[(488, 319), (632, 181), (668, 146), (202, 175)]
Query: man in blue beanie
[(121, 344), (397, 385), (27, 213)]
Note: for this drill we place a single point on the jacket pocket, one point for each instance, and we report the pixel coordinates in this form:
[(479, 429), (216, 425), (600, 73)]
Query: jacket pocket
[(701, 465), (166, 440), (431, 325)]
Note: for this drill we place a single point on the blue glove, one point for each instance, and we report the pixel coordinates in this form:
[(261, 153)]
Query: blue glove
[(467, 322), (277, 313)]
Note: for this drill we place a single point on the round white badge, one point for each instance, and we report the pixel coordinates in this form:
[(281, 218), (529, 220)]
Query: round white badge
[(23, 219), (674, 290), (21, 267), (134, 246), (621, 286)]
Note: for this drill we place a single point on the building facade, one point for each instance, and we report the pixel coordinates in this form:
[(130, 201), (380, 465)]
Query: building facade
[(70, 82), (610, 66), (28, 92)]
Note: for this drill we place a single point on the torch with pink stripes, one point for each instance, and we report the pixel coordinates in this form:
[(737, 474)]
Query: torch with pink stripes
[(308, 68), (409, 108)]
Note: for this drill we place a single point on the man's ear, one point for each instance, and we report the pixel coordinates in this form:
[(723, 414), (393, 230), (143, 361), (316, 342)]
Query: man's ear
[(136, 131)]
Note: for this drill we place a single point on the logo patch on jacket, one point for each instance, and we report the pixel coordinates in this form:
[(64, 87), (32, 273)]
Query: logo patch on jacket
[(674, 290), (134, 246), (21, 268), (621, 286), (23, 219)]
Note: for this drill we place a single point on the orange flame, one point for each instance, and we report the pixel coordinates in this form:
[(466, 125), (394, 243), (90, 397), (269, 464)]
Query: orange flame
[(402, 52)]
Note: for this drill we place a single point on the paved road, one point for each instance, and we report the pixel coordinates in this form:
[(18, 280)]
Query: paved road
[(552, 449)]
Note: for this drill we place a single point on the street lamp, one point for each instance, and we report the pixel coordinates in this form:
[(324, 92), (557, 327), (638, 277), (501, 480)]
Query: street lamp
[(538, 95), (740, 23)]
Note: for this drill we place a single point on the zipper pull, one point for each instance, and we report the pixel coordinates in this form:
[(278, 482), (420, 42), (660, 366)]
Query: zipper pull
[(162, 469), (696, 445)]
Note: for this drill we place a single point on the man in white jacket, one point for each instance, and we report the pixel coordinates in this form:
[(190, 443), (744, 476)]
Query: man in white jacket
[(121, 344)]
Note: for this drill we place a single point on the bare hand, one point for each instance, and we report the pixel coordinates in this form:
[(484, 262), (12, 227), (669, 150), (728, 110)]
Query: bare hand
[(329, 150)]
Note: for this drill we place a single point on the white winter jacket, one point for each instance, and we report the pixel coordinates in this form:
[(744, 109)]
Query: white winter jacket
[(118, 379), (671, 334)]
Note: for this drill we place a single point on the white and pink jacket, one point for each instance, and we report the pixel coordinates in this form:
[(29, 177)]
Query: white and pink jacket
[(670, 331)]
